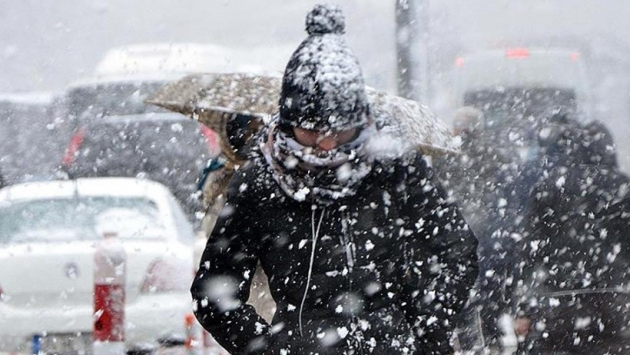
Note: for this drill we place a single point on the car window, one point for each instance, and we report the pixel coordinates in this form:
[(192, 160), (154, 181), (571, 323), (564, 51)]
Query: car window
[(521, 79), (172, 152), (82, 218), (112, 99), (145, 146)]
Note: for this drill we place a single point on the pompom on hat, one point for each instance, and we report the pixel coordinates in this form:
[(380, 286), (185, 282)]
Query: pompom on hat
[(323, 86), (325, 19)]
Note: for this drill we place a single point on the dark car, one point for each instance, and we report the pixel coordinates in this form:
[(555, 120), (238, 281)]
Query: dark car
[(166, 147), (112, 96)]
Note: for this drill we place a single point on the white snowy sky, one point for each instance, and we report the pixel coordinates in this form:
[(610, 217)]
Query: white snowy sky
[(46, 44)]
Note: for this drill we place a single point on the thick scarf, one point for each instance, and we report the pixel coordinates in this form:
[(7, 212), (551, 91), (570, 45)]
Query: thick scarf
[(306, 173)]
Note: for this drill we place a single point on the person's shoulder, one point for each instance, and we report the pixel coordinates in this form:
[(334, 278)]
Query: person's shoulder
[(617, 182), (404, 169)]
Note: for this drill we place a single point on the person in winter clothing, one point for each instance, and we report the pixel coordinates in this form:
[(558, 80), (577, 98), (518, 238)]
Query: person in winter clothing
[(364, 255), (543, 154), (576, 255), (474, 179)]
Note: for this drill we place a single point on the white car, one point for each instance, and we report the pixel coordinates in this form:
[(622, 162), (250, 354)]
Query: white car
[(48, 235)]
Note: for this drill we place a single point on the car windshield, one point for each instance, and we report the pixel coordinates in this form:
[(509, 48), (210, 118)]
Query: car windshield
[(171, 152), (81, 218), (172, 142), (513, 106)]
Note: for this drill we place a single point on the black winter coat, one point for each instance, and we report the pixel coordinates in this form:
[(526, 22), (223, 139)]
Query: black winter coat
[(579, 218), (578, 252), (381, 272)]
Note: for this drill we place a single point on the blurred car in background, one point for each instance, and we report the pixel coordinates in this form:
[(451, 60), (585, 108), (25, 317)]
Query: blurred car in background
[(525, 79), (165, 147), (167, 59), (117, 134), (31, 137), (126, 76), (517, 88), (48, 234)]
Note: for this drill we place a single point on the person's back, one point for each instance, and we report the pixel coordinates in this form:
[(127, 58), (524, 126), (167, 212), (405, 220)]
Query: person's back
[(575, 211), (578, 253), (580, 203)]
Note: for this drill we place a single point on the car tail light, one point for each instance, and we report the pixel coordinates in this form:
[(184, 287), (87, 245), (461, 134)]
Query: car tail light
[(517, 53), (73, 147), (212, 138), (459, 62), (166, 276)]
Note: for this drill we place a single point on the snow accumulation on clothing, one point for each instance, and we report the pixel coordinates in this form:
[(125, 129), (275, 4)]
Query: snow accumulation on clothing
[(362, 250)]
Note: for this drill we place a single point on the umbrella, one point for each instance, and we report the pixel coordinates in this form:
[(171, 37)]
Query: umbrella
[(410, 122), (219, 100)]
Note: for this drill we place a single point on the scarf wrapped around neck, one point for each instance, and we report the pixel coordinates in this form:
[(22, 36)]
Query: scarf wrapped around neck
[(309, 173)]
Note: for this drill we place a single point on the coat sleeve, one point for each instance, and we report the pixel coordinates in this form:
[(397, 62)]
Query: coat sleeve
[(222, 283), (540, 231), (441, 259)]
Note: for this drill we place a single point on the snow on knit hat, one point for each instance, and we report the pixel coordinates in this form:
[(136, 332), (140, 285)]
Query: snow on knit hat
[(323, 87)]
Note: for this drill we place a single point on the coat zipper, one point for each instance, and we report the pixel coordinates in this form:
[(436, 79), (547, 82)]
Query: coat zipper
[(315, 236), (348, 240)]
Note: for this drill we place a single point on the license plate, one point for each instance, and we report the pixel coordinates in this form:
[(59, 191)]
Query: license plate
[(67, 344)]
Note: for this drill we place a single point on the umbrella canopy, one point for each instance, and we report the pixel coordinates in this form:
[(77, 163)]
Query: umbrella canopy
[(237, 92), (221, 101), (410, 122)]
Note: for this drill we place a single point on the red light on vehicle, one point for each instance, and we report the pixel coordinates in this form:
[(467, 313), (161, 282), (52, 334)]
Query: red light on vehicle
[(73, 147), (575, 56), (459, 62), (517, 53)]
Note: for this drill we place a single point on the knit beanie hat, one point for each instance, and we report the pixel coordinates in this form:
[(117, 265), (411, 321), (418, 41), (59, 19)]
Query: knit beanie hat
[(323, 87)]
